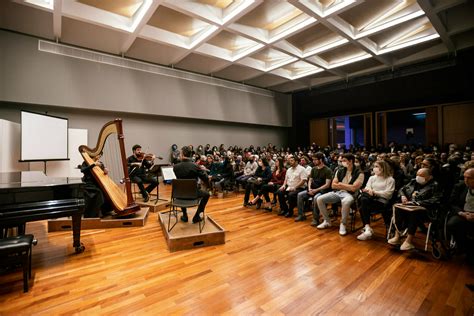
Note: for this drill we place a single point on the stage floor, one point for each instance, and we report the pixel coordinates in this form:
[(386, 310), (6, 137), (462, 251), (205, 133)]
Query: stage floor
[(187, 236)]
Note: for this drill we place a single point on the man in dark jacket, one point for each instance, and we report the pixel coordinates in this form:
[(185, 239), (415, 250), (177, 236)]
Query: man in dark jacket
[(187, 169), (417, 197), (461, 224)]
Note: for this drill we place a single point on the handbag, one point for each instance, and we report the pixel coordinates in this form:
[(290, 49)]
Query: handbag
[(375, 198)]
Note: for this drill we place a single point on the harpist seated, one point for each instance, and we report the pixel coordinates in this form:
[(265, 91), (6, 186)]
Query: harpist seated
[(96, 204)]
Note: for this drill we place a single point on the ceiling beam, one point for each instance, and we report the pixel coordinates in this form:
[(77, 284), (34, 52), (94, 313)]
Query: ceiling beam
[(57, 19), (220, 27), (437, 24), (446, 4), (339, 29), (146, 17)]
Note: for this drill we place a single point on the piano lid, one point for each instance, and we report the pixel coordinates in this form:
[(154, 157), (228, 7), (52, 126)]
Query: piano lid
[(24, 179)]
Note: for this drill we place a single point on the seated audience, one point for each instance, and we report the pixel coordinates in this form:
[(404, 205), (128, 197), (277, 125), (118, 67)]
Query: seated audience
[(295, 181), (225, 176), (249, 171), (319, 182), (461, 224), (376, 195), (277, 180), (421, 191), (238, 166), (262, 175), (347, 181)]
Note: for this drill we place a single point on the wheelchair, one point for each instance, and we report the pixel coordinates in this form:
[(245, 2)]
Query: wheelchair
[(442, 243)]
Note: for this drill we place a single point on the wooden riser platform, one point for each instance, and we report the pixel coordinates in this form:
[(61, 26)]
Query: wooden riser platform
[(136, 220), (154, 207), (186, 235)]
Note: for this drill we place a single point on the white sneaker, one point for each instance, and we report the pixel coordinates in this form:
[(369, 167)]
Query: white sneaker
[(366, 235), (394, 241), (406, 246), (324, 225), (342, 230)]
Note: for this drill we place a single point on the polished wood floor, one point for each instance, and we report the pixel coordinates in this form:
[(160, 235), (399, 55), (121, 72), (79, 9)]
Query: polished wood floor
[(269, 265)]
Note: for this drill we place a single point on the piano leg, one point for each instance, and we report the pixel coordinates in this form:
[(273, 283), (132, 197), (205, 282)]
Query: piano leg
[(76, 232)]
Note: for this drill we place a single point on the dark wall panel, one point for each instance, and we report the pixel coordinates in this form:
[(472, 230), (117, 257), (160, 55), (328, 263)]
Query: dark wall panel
[(452, 83)]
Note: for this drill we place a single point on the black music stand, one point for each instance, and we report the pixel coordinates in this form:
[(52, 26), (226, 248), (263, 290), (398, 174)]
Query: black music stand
[(166, 174)]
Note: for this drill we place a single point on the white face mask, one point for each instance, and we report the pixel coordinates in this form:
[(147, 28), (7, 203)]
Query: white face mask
[(420, 180), (377, 171), (357, 164), (339, 163), (345, 164)]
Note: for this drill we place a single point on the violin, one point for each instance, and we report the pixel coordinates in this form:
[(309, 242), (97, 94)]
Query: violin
[(147, 157)]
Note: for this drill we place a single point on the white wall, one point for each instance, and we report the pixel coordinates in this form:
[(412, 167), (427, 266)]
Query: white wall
[(10, 135), (35, 77), (10, 147), (157, 134)]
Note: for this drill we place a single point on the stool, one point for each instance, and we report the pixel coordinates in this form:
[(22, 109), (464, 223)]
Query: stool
[(17, 250)]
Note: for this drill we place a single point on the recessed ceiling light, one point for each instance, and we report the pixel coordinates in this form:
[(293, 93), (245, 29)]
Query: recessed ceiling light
[(47, 4), (389, 24), (406, 44)]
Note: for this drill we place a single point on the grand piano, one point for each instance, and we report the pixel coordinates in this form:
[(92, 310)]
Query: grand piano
[(32, 196)]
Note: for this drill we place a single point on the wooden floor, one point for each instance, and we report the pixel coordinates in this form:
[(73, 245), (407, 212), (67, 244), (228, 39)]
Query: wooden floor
[(269, 265)]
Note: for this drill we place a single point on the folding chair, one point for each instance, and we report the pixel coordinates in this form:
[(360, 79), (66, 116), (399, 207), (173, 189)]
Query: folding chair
[(184, 193)]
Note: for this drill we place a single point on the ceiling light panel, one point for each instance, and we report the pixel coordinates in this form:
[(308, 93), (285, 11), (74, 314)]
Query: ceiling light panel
[(100, 16), (408, 34), (297, 70), (325, 8), (372, 16), (267, 60), (214, 11), (229, 46), (272, 21), (43, 4), (343, 55), (175, 28), (313, 40), (126, 8)]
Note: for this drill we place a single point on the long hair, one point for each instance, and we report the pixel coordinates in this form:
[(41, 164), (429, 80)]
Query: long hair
[(280, 164), (385, 168)]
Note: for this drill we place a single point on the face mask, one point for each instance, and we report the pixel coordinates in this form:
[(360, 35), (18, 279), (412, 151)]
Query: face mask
[(357, 164), (260, 164), (420, 180), (345, 164), (377, 171), (339, 163)]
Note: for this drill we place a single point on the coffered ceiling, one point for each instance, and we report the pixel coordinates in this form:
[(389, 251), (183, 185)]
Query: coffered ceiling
[(280, 45)]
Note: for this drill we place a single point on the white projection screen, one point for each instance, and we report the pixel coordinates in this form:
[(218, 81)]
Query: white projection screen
[(43, 137)]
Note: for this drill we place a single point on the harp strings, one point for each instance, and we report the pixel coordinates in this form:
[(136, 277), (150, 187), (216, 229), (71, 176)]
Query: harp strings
[(112, 159)]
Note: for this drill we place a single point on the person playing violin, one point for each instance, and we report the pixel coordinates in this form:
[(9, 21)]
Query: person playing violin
[(138, 164)]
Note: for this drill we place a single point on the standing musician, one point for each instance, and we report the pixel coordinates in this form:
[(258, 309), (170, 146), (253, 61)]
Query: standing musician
[(138, 164)]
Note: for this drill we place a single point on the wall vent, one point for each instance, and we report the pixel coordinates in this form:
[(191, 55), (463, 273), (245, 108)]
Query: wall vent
[(74, 52)]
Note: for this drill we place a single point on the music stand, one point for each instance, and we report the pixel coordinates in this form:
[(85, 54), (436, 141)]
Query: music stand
[(167, 173)]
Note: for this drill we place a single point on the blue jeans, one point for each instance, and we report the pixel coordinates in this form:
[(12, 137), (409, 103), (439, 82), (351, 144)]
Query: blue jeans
[(303, 196)]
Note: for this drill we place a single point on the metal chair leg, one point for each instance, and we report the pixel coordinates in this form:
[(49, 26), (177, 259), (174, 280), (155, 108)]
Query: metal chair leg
[(427, 237), (202, 223), (175, 213)]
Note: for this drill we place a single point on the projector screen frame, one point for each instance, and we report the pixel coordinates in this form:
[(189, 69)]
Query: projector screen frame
[(45, 160)]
